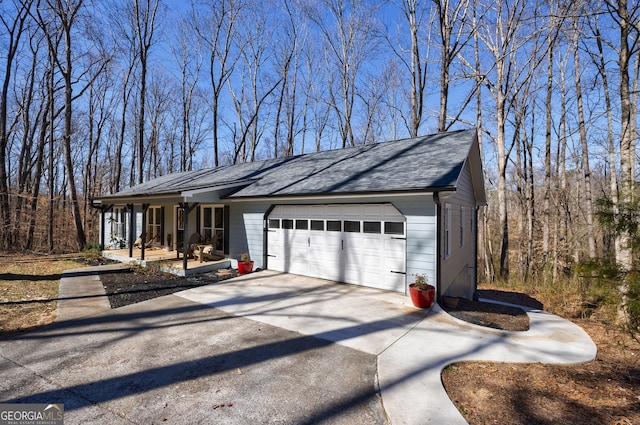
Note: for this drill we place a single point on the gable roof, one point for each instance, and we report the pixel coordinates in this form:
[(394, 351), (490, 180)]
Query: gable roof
[(428, 163)]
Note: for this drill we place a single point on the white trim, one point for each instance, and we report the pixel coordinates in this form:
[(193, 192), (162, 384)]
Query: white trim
[(327, 198)]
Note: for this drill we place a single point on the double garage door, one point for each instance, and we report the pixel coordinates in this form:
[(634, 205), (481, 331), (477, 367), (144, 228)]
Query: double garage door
[(362, 244)]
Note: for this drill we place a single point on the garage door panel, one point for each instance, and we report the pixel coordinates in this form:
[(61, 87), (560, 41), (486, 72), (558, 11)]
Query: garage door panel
[(343, 242)]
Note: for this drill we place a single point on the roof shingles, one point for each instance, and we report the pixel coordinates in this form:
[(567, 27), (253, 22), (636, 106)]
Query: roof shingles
[(422, 163)]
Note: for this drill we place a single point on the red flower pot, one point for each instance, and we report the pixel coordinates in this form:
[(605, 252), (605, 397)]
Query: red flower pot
[(422, 298), (245, 267)]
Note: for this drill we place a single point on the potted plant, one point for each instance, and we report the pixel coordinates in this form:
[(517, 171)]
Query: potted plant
[(169, 240), (245, 265), (421, 292)]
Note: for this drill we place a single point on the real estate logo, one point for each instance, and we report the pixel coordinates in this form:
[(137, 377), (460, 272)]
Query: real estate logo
[(31, 414)]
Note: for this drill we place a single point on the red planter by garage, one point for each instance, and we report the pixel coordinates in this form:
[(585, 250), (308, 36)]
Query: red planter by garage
[(422, 298), (245, 267)]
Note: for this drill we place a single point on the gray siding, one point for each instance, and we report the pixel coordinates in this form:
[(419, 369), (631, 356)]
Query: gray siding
[(458, 272), (420, 213), (246, 234)]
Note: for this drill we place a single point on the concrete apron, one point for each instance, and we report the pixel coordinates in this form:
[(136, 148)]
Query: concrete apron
[(412, 346)]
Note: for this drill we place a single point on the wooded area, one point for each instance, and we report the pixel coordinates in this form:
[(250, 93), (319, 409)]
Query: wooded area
[(98, 96)]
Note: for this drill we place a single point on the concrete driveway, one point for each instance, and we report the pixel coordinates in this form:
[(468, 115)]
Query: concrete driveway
[(264, 348)]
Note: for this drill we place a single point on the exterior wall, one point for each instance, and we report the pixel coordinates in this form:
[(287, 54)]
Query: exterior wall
[(420, 213), (246, 230), (458, 272)]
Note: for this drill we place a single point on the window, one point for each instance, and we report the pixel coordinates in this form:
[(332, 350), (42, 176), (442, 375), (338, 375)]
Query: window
[(393, 228), (212, 226), (118, 227), (274, 223), (372, 227), (287, 223), (154, 224), (447, 230), (334, 226), (302, 224), (317, 225), (352, 226)]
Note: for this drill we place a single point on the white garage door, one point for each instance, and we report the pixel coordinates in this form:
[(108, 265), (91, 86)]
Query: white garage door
[(362, 244)]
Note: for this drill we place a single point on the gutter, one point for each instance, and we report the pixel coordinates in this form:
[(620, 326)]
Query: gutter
[(337, 195), (436, 199)]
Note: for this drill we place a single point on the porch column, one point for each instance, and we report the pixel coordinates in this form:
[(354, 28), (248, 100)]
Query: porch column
[(145, 207), (103, 210), (185, 234), (132, 217)]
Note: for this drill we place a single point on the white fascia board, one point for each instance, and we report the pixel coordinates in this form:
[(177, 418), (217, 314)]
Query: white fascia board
[(324, 198), (139, 199)]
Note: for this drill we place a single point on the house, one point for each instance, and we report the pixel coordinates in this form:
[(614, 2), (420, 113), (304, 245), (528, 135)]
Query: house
[(373, 215)]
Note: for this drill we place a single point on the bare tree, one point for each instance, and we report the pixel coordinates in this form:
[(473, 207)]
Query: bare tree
[(13, 22), (216, 26), (144, 23), (287, 62), (254, 85), (451, 20), (625, 17), (348, 28), (586, 169), (501, 38), (190, 63), (65, 14), (414, 13)]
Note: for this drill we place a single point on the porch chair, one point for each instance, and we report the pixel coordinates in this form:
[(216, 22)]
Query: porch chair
[(208, 252), (193, 241)]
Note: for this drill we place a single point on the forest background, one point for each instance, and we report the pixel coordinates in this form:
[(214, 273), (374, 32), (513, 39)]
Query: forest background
[(98, 96)]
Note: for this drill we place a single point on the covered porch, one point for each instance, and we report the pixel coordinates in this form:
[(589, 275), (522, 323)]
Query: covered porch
[(168, 261)]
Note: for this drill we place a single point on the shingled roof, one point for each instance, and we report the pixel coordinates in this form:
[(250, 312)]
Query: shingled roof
[(427, 163)]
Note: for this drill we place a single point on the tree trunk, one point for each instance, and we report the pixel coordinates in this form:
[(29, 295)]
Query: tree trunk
[(586, 170)]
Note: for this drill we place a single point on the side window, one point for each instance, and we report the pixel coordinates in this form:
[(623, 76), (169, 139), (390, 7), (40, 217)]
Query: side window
[(447, 230)]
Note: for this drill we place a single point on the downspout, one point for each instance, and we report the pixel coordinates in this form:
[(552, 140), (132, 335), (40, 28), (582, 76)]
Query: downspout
[(476, 296), (436, 198), (265, 237)]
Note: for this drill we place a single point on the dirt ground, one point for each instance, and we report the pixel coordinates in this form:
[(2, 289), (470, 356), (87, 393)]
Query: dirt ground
[(140, 285), (605, 391)]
